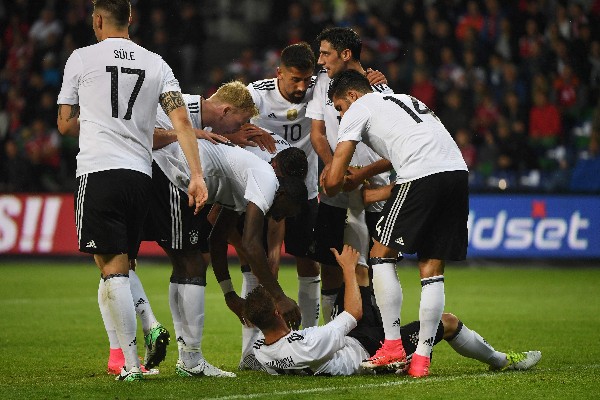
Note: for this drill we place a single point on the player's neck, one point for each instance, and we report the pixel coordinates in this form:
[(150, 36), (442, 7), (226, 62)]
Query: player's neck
[(114, 34), (356, 66), (276, 334)]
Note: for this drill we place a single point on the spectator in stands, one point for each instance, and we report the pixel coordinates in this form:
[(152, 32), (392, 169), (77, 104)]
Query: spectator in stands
[(455, 114), (424, 89), (45, 27)]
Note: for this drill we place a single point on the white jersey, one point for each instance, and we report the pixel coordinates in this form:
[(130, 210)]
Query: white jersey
[(193, 106), (288, 120), (233, 176), (280, 144), (117, 85), (321, 108), (403, 130), (318, 350)]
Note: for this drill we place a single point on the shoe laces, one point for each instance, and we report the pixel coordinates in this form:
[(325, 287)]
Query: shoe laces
[(514, 357)]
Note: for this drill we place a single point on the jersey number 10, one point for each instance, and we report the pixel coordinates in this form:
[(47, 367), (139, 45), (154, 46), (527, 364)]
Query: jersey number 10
[(114, 89)]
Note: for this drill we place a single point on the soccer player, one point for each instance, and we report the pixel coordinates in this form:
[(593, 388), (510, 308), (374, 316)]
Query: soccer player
[(237, 182), (282, 103), (233, 179), (426, 213), (108, 98), (338, 347), (339, 50)]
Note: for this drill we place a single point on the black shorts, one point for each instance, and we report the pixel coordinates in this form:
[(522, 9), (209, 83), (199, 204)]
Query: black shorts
[(171, 221), (428, 216), (328, 233), (299, 229), (110, 209), (369, 330)]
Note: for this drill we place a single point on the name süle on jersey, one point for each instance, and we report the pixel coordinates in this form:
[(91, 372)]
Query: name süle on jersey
[(124, 55)]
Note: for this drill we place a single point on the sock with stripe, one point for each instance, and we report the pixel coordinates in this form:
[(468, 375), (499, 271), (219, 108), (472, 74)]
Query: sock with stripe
[(141, 302), (116, 291), (249, 333), (470, 344), (309, 290), (191, 309), (328, 297), (113, 340), (174, 300), (388, 294), (430, 312)]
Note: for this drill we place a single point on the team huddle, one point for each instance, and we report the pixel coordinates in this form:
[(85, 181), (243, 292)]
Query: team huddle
[(241, 168)]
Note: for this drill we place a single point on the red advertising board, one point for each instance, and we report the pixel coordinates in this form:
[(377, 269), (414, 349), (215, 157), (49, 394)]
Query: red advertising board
[(44, 224)]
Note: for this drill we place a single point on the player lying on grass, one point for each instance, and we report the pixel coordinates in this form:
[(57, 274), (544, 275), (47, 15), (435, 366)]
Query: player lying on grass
[(339, 347)]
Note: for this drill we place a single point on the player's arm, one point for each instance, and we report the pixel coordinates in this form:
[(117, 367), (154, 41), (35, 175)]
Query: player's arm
[(356, 176), (333, 175), (275, 236), (319, 141), (372, 195), (163, 137), (252, 135), (67, 120), (173, 105), (222, 227), (252, 244), (348, 260)]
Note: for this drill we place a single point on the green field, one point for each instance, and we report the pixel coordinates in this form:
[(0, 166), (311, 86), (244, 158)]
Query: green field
[(53, 343)]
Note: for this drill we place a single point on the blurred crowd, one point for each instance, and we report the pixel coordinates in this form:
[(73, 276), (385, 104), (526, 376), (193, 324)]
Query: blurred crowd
[(516, 82)]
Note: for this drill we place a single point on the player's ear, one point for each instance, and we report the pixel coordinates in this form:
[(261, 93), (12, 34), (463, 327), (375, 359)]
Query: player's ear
[(346, 54), (279, 73)]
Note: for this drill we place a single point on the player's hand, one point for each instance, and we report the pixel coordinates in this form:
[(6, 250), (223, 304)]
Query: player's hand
[(262, 138), (375, 77), (197, 193), (214, 138), (352, 179), (236, 304), (290, 312), (348, 259)]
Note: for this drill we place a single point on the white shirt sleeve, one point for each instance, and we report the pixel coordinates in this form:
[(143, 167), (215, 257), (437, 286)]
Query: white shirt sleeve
[(170, 83), (261, 188), (69, 90), (355, 123), (316, 106), (323, 341)]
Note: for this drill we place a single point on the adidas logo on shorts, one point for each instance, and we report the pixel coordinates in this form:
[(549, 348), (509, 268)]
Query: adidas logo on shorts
[(272, 115), (91, 244), (400, 241)]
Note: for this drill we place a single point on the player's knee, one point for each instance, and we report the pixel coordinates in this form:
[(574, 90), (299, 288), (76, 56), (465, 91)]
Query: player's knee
[(450, 322)]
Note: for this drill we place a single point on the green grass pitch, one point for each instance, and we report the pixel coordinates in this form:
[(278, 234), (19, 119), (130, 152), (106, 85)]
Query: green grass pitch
[(53, 344)]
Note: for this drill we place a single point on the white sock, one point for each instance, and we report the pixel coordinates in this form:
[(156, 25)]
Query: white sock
[(388, 294), (174, 300), (249, 282), (191, 309), (141, 302), (117, 294), (309, 291), (249, 334), (113, 340), (430, 312), (327, 303), (470, 344)]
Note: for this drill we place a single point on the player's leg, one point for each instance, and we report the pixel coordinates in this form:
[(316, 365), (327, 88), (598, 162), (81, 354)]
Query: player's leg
[(328, 233), (386, 286), (299, 232), (249, 333), (109, 225), (443, 237), (470, 344)]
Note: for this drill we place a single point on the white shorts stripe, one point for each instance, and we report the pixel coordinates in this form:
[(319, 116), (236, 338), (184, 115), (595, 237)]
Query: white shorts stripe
[(79, 207), (176, 233), (390, 220)]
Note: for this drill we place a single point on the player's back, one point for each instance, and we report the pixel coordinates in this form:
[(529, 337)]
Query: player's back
[(119, 84), (403, 130)]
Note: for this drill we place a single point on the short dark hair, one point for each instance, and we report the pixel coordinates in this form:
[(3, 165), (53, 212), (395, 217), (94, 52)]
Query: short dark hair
[(259, 308), (342, 39), (119, 10), (298, 55), (294, 188), (348, 80), (292, 162)]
